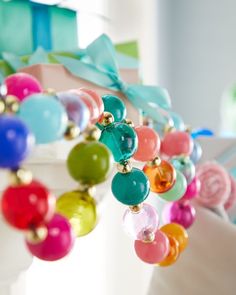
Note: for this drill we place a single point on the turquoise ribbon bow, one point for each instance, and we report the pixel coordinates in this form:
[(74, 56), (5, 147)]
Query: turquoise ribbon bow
[(98, 65)]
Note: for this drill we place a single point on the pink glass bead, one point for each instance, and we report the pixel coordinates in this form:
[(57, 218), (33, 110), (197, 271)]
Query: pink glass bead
[(97, 98), (153, 252), (178, 212), (215, 184), (192, 189), (148, 144), (90, 103), (138, 225), (177, 143), (58, 243), (22, 85), (232, 197)]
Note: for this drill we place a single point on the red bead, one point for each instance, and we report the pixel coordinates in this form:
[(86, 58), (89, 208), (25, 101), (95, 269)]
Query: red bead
[(27, 206)]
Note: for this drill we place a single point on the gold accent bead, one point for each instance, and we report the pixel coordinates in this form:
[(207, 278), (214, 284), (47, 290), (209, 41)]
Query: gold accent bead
[(50, 91), (72, 131), (136, 208), (2, 106), (168, 128), (154, 162), (188, 128), (20, 176), (92, 133), (107, 119), (124, 167), (147, 122), (129, 122), (149, 237), (12, 104), (91, 190), (36, 235)]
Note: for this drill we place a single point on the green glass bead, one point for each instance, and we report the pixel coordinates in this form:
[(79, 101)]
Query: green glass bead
[(121, 139), (185, 166), (130, 188), (178, 189), (89, 162), (115, 106), (80, 208)]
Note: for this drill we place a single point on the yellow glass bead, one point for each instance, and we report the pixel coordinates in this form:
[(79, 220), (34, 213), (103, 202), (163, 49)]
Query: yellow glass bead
[(80, 208)]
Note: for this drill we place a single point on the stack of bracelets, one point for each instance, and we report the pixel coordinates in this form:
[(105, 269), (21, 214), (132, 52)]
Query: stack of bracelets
[(29, 115)]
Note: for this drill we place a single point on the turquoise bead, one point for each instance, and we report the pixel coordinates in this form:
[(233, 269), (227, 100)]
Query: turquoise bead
[(45, 116), (178, 189), (130, 188), (115, 106), (121, 139), (185, 166)]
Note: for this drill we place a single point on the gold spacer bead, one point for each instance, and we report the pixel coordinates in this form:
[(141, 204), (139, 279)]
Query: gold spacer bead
[(149, 237), (188, 129), (124, 167), (36, 235), (92, 133), (50, 91), (72, 131), (12, 104), (154, 162), (2, 106), (20, 176), (129, 122), (91, 190), (168, 128), (107, 119), (136, 208)]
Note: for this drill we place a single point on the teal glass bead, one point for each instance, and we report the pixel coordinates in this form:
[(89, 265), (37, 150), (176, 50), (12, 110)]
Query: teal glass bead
[(131, 188), (178, 189), (45, 116), (185, 166), (115, 106), (121, 139)]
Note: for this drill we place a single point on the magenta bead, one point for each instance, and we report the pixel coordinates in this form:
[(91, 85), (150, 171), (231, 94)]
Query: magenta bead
[(58, 243), (148, 144), (177, 143), (192, 189), (178, 212), (153, 252), (139, 225), (22, 85)]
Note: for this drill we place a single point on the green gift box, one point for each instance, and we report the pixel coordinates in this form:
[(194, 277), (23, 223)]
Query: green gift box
[(26, 25)]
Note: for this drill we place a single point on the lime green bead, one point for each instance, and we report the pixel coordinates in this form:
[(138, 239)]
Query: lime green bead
[(89, 162), (121, 139), (130, 188), (178, 189), (80, 208)]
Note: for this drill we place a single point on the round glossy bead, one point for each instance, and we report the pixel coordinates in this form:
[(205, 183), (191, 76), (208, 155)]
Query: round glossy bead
[(97, 98), (173, 254), (178, 232), (76, 109), (181, 213), (115, 106), (162, 177), (16, 141), (196, 153), (185, 166), (27, 206), (90, 103), (177, 143), (45, 116), (138, 225), (58, 243), (80, 209), (22, 85), (178, 189), (232, 197), (130, 188), (192, 189), (121, 139), (148, 144), (153, 252), (89, 162)]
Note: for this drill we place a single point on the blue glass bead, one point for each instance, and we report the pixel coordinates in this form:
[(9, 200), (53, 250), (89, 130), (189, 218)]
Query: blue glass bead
[(16, 141), (201, 132), (45, 116), (185, 166), (115, 106), (196, 153), (130, 188), (121, 139), (76, 109)]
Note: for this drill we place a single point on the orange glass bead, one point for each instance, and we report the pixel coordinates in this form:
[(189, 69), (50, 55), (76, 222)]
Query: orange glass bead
[(173, 252), (178, 232), (162, 177)]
